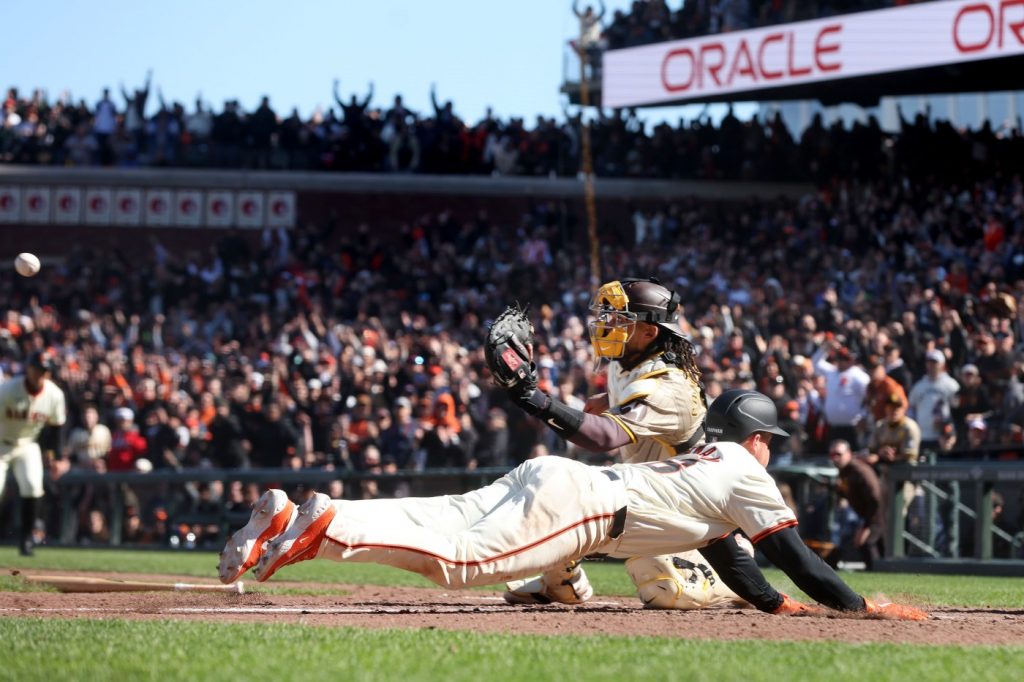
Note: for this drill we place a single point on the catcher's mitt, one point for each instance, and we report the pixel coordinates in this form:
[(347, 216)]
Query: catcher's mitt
[(509, 350)]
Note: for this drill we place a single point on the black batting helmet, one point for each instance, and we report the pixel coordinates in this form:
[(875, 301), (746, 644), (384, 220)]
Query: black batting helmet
[(40, 360), (737, 413)]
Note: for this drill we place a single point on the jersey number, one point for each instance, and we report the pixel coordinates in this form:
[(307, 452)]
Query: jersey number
[(704, 453)]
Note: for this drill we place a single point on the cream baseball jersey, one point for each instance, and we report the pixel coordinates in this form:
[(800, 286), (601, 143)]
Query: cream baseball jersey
[(685, 502), (657, 405), (550, 510), (23, 415)]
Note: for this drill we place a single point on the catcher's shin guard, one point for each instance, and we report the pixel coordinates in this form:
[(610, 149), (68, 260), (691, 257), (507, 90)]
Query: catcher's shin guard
[(681, 581), (565, 585)]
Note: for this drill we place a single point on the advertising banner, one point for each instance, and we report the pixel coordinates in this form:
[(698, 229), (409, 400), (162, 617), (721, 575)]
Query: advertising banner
[(840, 47)]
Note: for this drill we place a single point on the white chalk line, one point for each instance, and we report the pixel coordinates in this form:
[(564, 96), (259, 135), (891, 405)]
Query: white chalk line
[(76, 609), (314, 610)]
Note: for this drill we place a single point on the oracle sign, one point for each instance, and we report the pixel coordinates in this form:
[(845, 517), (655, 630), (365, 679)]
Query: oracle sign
[(866, 43)]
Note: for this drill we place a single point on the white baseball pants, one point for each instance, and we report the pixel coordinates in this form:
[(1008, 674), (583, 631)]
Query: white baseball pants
[(542, 514), (26, 459)]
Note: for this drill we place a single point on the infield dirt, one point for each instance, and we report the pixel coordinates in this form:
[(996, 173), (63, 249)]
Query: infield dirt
[(481, 611)]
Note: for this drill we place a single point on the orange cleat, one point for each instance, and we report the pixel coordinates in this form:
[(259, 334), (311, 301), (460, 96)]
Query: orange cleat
[(792, 607), (270, 517), (303, 538), (894, 611)]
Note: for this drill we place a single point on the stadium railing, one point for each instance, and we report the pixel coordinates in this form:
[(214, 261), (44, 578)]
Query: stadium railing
[(430, 482), (954, 486)]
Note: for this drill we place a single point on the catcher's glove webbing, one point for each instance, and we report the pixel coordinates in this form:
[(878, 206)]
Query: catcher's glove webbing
[(509, 355), (509, 351)]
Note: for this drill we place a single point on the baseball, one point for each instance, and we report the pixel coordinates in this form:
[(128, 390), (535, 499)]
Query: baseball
[(26, 264)]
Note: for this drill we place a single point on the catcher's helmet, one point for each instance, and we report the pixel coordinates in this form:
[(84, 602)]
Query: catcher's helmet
[(40, 360), (737, 413), (619, 305)]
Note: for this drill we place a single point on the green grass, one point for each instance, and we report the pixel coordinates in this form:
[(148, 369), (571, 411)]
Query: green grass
[(175, 650), (45, 649), (608, 578)]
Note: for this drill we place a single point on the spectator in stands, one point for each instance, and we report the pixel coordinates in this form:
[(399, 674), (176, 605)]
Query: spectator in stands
[(262, 124), (443, 444), (228, 447), (135, 111), (104, 126), (89, 443), (127, 444), (846, 386), (493, 450), (274, 439), (786, 450), (164, 446), (81, 148), (880, 390), (994, 364), (977, 434), (590, 43), (931, 399), (895, 368), (393, 440), (371, 464), (972, 400), (34, 131), (353, 113), (199, 126)]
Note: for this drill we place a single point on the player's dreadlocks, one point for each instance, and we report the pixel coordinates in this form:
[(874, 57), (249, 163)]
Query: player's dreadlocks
[(677, 350)]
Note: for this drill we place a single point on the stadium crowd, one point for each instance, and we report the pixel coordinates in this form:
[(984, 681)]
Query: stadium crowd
[(355, 351), (652, 21), (359, 137)]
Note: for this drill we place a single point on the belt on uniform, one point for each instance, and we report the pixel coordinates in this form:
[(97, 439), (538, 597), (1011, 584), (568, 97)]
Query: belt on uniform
[(619, 518)]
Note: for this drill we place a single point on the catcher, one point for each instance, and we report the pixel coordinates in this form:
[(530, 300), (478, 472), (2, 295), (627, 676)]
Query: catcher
[(653, 410)]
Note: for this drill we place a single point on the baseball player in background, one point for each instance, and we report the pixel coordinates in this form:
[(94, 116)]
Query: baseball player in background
[(27, 404), (551, 510), (654, 409)]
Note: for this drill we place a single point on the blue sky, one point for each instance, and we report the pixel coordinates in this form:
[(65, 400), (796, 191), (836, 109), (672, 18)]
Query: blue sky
[(506, 54)]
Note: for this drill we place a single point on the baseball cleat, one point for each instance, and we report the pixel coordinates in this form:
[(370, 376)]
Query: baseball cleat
[(572, 587), (302, 540), (271, 515)]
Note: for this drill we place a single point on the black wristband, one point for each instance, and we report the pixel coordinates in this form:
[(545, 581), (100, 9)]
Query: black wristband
[(563, 419), (532, 401)]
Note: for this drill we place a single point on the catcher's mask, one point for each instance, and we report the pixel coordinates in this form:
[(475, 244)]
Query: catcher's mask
[(619, 305)]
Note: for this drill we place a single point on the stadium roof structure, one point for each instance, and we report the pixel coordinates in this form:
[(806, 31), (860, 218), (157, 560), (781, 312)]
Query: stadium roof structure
[(939, 47)]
